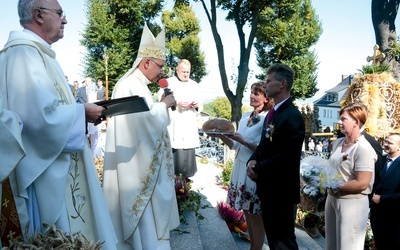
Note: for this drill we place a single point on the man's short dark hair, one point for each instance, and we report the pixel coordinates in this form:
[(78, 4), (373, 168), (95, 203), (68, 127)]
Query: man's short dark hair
[(282, 72)]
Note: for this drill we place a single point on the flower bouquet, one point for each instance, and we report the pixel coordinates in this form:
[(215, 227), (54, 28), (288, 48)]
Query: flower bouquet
[(188, 200), (316, 176), (369, 242), (313, 224), (230, 215)]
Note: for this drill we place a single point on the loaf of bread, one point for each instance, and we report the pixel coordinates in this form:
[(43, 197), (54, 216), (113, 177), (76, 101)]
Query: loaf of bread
[(219, 125)]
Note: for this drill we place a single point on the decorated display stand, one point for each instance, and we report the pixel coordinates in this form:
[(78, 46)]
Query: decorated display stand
[(380, 92)]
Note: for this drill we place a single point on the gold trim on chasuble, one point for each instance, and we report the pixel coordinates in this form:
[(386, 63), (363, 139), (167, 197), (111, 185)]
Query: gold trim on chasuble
[(63, 99), (163, 146)]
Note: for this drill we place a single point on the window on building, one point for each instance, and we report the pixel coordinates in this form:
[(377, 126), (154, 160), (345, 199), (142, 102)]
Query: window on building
[(324, 113), (332, 97)]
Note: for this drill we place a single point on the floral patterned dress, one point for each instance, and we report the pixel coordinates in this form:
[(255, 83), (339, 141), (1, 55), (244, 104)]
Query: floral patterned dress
[(242, 190)]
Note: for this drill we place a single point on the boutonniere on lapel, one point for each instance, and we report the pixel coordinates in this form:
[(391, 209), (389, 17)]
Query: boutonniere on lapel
[(269, 131)]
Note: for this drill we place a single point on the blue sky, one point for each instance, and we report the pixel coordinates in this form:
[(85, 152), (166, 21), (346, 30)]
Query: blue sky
[(346, 41)]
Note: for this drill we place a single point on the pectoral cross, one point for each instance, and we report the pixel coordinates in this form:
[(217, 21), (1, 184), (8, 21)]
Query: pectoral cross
[(378, 56)]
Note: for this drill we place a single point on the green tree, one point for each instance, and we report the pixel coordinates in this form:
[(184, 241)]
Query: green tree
[(286, 32), (219, 107), (384, 13), (115, 26), (208, 109), (244, 13), (182, 40)]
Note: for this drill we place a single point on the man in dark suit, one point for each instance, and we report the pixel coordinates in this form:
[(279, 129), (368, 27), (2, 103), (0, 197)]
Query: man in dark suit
[(82, 94), (385, 203), (379, 151), (275, 165), (101, 91)]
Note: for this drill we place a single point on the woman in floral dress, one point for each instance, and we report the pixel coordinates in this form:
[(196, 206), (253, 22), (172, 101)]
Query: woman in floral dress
[(242, 190)]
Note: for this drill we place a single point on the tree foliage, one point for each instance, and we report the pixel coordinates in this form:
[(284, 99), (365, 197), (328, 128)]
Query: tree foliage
[(384, 13), (253, 14), (115, 26), (182, 40), (286, 32), (219, 107)]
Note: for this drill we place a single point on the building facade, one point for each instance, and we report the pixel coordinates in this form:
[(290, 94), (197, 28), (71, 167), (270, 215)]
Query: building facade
[(329, 104)]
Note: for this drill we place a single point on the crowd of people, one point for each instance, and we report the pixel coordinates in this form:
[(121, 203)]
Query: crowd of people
[(48, 176), (319, 146)]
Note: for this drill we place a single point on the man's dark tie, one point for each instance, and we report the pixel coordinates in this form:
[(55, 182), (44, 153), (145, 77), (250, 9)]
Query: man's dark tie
[(385, 166), (270, 115)]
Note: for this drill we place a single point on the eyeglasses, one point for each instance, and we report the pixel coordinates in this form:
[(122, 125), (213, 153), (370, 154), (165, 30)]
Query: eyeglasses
[(387, 142), (159, 65), (60, 13)]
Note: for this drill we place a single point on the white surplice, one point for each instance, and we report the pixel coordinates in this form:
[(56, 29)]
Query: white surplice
[(54, 183), (138, 178), (183, 128)]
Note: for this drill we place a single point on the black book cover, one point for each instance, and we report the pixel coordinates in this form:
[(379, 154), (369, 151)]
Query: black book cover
[(124, 105)]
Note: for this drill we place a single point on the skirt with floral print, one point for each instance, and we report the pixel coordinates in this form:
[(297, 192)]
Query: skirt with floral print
[(242, 191)]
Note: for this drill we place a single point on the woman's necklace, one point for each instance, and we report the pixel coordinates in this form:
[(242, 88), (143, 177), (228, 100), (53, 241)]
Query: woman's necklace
[(349, 143)]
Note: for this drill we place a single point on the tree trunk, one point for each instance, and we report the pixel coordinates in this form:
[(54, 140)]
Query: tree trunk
[(235, 99), (384, 14)]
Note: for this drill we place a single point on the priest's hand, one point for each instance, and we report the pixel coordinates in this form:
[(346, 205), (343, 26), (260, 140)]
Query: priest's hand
[(169, 100), (94, 113), (193, 105)]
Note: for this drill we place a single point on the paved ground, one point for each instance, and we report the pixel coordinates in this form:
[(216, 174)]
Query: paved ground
[(205, 181)]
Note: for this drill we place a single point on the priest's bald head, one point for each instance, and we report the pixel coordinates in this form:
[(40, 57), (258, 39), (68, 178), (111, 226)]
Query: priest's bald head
[(45, 18)]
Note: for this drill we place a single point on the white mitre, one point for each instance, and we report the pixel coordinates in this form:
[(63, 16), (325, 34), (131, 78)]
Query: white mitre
[(149, 47)]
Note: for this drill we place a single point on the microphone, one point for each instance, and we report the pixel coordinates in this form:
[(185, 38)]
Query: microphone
[(164, 84)]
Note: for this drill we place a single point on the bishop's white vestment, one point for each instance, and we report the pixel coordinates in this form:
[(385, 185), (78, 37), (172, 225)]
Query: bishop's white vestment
[(56, 182), (138, 179)]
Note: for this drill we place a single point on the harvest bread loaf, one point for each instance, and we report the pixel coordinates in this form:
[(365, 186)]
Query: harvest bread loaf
[(218, 125)]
